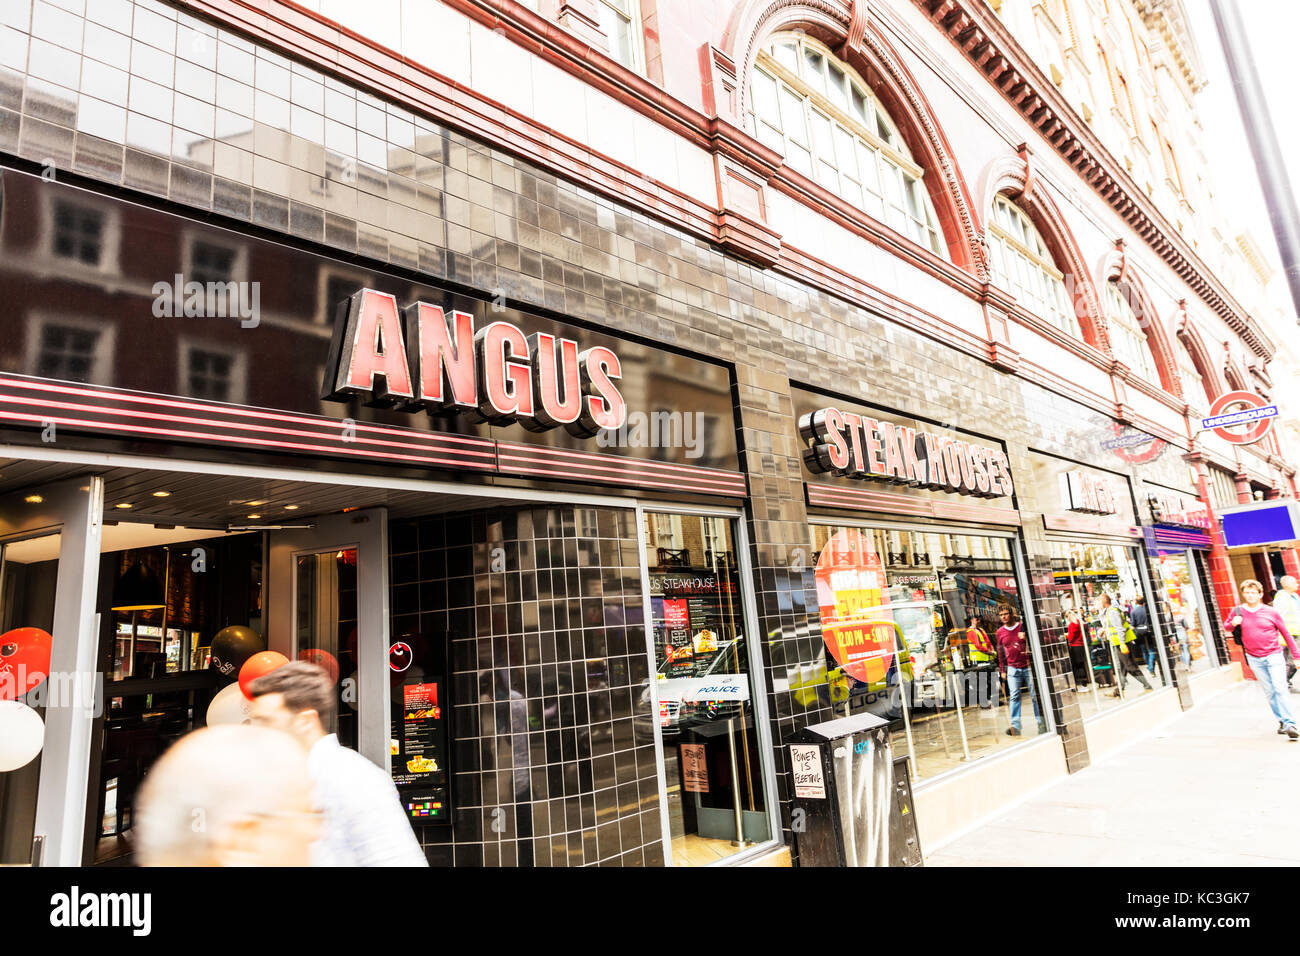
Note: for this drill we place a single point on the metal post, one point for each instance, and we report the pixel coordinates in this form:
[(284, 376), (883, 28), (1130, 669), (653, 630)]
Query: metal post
[(1258, 125), (961, 722), (735, 785)]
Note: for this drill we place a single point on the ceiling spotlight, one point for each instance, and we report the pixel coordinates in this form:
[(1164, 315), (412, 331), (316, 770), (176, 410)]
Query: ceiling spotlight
[(254, 504), (33, 499), (254, 517), (162, 494), (290, 507), (123, 505)]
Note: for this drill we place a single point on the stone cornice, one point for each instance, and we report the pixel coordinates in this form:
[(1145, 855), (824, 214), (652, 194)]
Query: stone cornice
[(991, 48)]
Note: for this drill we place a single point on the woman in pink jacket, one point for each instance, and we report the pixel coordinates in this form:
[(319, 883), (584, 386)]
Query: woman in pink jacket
[(1263, 632)]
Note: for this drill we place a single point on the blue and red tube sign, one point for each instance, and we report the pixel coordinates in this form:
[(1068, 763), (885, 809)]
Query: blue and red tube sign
[(1233, 409)]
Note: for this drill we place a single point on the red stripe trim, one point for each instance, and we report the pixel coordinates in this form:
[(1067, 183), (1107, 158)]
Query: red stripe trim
[(608, 473), (177, 433), (234, 411), (398, 444), (675, 485), (691, 470), (852, 498), (423, 441)]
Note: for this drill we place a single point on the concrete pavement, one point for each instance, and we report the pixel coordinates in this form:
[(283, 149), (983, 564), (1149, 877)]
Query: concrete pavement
[(1216, 786)]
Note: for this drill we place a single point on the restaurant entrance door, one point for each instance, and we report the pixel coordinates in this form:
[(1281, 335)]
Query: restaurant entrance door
[(327, 602)]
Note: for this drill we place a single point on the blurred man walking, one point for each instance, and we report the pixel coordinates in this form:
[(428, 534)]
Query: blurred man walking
[(364, 822), (228, 796)]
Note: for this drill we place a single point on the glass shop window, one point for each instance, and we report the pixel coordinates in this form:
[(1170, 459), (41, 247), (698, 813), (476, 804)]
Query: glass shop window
[(713, 764), (926, 630), (1191, 638), (1113, 655)]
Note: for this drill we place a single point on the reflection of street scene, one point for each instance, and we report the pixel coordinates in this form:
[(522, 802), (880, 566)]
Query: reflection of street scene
[(921, 643)]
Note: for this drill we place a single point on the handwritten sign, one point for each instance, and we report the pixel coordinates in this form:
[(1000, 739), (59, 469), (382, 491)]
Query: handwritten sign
[(695, 771), (809, 778)]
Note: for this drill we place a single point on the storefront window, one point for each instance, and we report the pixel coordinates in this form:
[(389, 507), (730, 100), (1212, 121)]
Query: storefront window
[(1191, 641), (706, 696), (926, 630), (1104, 604), (27, 585)]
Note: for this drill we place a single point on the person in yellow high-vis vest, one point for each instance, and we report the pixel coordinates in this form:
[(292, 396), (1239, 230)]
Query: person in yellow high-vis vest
[(983, 656), (1118, 630)]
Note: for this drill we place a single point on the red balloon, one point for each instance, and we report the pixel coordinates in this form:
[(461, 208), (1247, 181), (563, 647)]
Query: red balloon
[(24, 660), (323, 659), (256, 666)]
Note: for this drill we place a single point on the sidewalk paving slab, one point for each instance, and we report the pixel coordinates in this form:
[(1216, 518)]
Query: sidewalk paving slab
[(1216, 786)]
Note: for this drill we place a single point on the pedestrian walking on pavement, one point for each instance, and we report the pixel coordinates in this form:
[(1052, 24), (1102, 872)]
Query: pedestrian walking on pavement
[(1078, 652), (1013, 661), (1287, 603), (365, 824), (1121, 635), (1263, 635), (1140, 618), (983, 655), (234, 796)]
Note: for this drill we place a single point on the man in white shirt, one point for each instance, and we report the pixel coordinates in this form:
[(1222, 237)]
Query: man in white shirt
[(364, 821), (1287, 603)]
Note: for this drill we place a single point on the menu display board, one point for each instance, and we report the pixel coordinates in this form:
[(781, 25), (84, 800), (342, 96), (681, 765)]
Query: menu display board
[(419, 750), (691, 633)]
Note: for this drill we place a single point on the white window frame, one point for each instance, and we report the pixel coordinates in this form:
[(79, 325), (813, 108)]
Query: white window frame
[(1194, 390), (106, 341), (1128, 339), (238, 269), (891, 189), (110, 241), (1029, 272), (635, 27), (187, 345)]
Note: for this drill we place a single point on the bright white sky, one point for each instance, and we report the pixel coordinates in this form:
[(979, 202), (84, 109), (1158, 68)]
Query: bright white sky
[(1271, 26)]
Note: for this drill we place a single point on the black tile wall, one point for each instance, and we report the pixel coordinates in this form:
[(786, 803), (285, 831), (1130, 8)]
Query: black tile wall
[(552, 764)]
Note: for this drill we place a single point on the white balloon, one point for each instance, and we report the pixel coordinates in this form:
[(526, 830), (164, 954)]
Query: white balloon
[(22, 733), (230, 706)]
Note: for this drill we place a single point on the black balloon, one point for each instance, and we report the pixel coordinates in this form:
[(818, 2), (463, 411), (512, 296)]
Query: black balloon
[(232, 646)]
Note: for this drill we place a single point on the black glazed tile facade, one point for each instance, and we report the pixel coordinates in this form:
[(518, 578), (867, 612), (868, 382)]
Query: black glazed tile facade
[(543, 610)]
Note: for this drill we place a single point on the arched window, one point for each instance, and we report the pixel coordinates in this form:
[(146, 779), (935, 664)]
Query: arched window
[(1128, 340), (1194, 391), (822, 117), (1022, 264)]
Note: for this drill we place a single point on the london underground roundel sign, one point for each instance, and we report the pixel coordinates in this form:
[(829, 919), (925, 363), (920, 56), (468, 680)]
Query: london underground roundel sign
[(1233, 409), (856, 624)]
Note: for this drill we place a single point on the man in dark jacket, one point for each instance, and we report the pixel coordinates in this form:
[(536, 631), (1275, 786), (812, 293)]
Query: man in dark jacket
[(1140, 618)]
